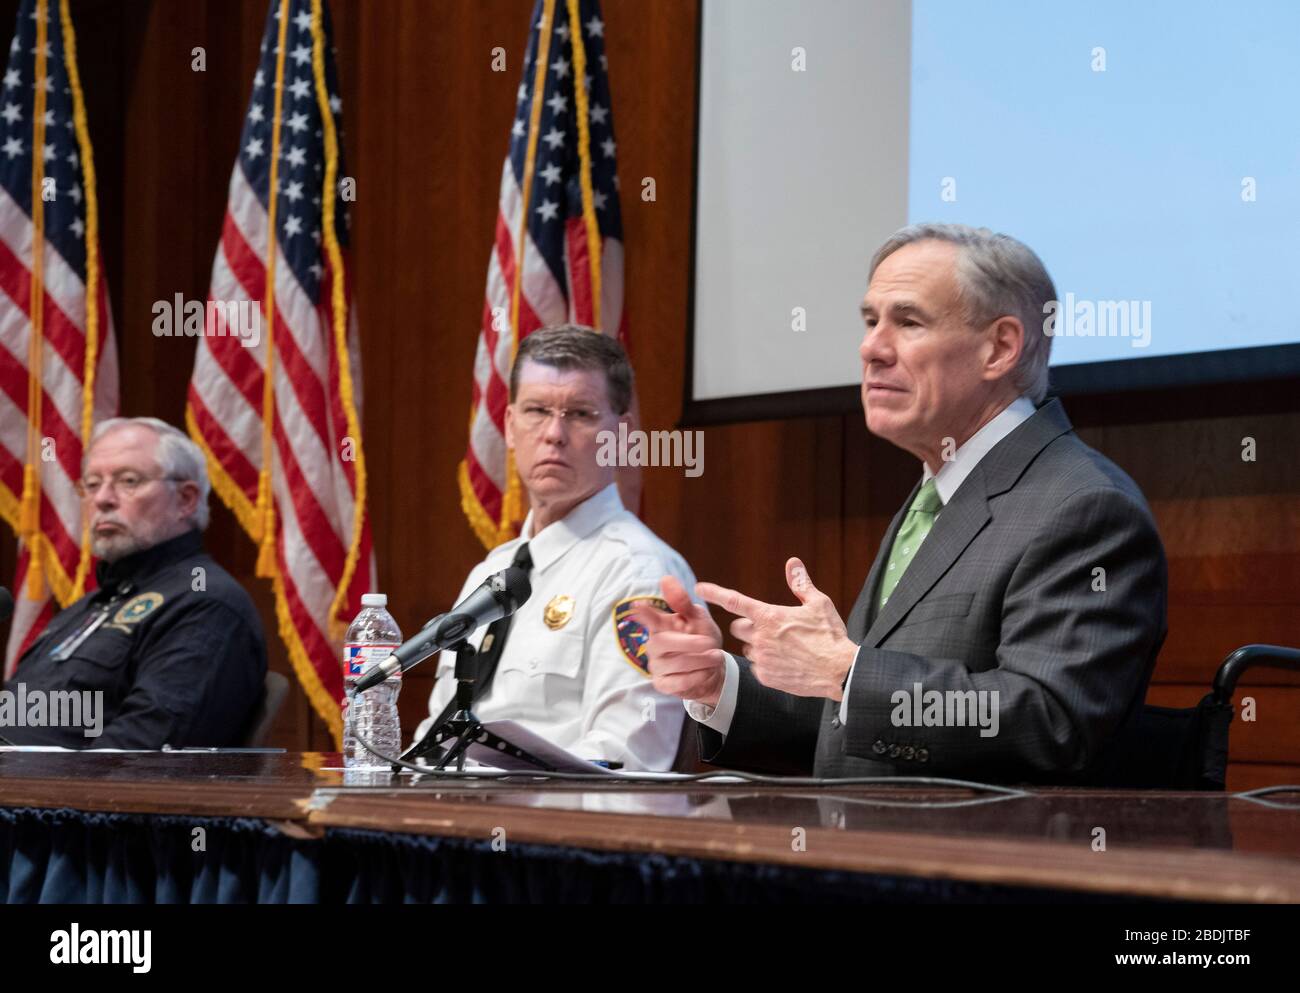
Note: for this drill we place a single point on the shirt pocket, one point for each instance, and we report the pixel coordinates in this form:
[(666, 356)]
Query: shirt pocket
[(98, 663), (541, 674)]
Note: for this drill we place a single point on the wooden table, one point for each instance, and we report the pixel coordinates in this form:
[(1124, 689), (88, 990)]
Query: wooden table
[(1183, 846)]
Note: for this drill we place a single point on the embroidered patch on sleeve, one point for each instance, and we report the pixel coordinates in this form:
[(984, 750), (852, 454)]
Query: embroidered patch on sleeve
[(632, 636)]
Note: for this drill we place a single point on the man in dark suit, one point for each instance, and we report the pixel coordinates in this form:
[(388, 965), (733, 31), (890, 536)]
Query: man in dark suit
[(1011, 619)]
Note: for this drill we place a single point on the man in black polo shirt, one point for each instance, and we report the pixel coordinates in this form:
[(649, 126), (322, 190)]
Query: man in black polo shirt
[(169, 649)]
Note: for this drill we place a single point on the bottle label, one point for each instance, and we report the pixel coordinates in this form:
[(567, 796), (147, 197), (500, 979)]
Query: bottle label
[(357, 659)]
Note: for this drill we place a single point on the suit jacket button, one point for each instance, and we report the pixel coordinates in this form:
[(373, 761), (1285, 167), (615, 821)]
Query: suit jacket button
[(835, 723), (893, 751), (909, 752), (878, 747), (923, 755)]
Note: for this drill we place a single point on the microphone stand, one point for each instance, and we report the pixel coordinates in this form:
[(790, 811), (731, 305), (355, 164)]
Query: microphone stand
[(463, 725)]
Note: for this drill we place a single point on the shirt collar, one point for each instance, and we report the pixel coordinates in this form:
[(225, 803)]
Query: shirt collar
[(142, 564), (953, 473), (555, 539)]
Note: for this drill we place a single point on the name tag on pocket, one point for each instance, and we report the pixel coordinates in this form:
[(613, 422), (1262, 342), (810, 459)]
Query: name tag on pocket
[(64, 649)]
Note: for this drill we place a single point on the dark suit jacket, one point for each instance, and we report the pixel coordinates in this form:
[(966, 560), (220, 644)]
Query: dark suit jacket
[(1005, 594)]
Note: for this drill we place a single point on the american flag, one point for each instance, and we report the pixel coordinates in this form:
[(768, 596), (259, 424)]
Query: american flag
[(295, 479), (558, 251), (58, 374)]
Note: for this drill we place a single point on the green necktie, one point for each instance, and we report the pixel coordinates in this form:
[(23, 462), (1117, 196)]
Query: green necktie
[(916, 525)]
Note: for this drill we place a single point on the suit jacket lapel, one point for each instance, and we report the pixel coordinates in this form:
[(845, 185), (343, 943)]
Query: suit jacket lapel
[(958, 523)]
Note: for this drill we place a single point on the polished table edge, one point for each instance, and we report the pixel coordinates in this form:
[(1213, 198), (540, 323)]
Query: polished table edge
[(305, 809), (1145, 872), (199, 799)]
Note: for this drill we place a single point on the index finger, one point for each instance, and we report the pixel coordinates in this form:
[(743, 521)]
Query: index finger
[(675, 595), (651, 618), (732, 601)]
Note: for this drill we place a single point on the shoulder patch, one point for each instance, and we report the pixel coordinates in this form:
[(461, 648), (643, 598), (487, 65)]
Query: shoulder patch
[(631, 635)]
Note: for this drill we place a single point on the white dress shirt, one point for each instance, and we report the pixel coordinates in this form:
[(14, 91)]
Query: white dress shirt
[(946, 481), (572, 681)]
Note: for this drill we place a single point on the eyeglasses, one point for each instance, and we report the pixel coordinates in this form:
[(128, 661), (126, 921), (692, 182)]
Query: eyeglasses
[(534, 415), (126, 482)]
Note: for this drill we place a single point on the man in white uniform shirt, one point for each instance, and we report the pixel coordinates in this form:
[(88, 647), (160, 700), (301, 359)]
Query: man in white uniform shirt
[(573, 668)]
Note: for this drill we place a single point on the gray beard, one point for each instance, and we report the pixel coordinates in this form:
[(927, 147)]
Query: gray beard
[(120, 546)]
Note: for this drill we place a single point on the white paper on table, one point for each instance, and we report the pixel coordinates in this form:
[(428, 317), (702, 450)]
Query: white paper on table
[(76, 751), (553, 755), (519, 736), (34, 748)]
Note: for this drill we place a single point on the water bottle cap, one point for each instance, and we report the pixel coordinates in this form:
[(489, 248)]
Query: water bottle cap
[(374, 599)]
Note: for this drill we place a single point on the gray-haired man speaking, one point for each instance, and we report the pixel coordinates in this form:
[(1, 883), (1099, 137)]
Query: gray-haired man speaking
[(1011, 619), (168, 649)]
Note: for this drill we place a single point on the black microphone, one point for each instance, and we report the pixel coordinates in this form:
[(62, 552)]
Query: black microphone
[(501, 595)]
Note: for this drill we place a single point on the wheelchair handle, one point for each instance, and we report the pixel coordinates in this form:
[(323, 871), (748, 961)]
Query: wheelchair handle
[(1248, 657)]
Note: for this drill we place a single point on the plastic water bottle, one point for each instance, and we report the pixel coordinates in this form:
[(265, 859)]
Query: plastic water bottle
[(373, 714)]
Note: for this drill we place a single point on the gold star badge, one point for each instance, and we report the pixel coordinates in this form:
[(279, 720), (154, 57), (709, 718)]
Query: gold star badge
[(138, 608), (558, 611)]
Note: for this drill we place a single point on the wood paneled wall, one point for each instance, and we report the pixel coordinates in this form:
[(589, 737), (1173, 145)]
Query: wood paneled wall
[(426, 122)]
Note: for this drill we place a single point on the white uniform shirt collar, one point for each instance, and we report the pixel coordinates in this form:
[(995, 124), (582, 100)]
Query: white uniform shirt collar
[(952, 474), (557, 538)]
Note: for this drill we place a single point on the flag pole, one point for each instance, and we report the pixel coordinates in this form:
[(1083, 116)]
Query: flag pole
[(512, 501), (91, 363), (266, 566), (29, 518), (339, 311), (584, 160)]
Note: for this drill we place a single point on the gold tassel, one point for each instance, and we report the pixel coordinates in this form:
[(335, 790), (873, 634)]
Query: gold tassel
[(266, 546), (29, 515), (35, 577)]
